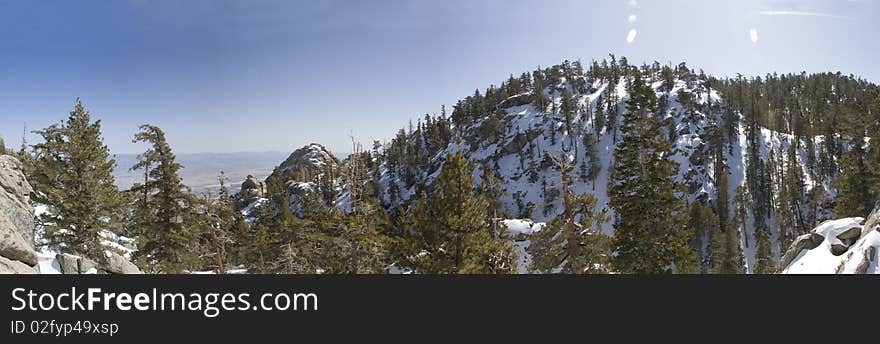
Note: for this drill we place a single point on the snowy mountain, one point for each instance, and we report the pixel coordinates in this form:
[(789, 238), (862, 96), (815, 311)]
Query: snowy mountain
[(526, 177), (516, 138)]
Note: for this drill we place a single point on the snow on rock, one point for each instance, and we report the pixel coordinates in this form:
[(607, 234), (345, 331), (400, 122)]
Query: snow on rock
[(517, 227), (844, 249)]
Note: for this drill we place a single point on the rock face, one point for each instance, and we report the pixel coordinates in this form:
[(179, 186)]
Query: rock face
[(15, 196), (803, 242), (252, 189), (8, 266), (17, 253)]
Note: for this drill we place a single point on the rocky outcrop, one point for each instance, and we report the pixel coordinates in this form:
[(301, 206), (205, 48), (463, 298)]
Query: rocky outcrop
[(836, 246), (17, 253), (306, 162), (15, 197), (252, 189)]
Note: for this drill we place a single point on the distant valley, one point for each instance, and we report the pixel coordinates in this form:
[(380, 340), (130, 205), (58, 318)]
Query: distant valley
[(200, 170)]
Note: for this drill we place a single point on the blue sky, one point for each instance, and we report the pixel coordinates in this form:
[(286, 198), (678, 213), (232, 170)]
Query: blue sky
[(229, 76)]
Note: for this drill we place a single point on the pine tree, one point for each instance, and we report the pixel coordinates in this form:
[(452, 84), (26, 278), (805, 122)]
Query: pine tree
[(166, 237), (220, 222), (568, 108), (703, 224), (73, 178), (551, 252), (490, 189), (364, 240), (599, 116), (261, 243), (764, 263), (538, 97), (726, 254), (853, 197), (452, 230), (565, 243), (648, 237)]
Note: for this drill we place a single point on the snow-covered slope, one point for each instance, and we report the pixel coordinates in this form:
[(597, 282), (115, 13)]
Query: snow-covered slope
[(527, 134), (530, 133)]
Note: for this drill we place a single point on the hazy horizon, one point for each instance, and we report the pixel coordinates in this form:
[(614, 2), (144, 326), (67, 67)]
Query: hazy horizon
[(271, 76)]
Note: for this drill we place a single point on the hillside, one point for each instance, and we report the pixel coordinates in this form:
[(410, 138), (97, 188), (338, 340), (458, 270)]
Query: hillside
[(762, 136)]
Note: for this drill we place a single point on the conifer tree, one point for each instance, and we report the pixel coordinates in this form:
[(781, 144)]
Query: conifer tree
[(599, 116), (647, 237), (451, 228), (364, 240), (854, 198), (726, 254), (764, 263), (703, 224), (218, 222), (73, 178), (261, 242), (568, 108), (559, 246), (538, 97), (167, 236), (551, 252)]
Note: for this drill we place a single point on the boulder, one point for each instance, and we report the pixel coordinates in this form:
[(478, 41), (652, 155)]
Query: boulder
[(13, 246), (850, 234), (816, 238), (802, 242), (839, 248), (114, 263), (8, 266), (69, 263)]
